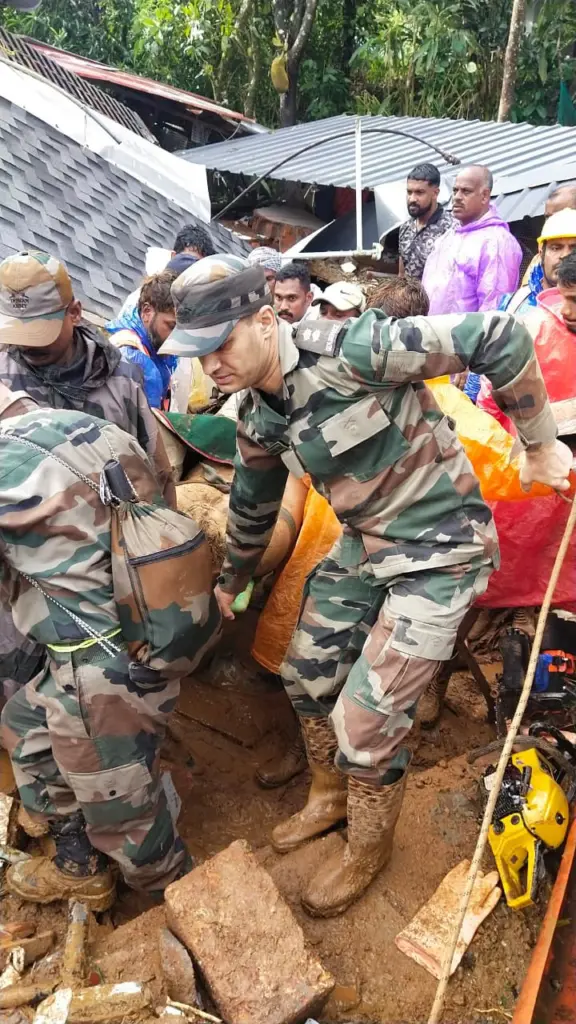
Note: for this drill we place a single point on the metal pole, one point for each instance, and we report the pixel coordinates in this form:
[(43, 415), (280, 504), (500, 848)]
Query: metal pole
[(358, 140)]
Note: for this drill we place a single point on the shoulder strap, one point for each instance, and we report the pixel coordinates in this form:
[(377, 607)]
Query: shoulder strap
[(323, 337), (128, 339)]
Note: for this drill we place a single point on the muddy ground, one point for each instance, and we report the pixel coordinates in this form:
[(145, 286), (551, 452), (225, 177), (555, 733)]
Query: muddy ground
[(231, 720)]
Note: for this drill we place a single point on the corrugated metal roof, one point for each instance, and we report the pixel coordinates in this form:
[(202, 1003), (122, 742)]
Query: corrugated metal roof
[(530, 201), (508, 149), (96, 71)]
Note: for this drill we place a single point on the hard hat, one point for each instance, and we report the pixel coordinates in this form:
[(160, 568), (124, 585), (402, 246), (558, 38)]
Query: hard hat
[(560, 225)]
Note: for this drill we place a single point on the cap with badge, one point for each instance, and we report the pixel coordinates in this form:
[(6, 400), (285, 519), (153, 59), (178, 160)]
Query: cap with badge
[(209, 299), (35, 292), (344, 296)]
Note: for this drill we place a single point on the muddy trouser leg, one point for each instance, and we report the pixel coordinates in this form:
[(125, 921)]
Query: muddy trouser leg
[(338, 609), (415, 631), (86, 737)]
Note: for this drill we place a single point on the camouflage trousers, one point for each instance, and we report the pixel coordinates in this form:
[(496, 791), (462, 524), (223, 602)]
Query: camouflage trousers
[(364, 652), (84, 736)]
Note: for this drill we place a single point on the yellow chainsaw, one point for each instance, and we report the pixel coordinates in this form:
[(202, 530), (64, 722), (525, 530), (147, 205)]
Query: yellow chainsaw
[(531, 816)]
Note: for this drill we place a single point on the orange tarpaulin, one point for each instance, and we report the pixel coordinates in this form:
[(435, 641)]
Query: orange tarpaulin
[(320, 529), (527, 524)]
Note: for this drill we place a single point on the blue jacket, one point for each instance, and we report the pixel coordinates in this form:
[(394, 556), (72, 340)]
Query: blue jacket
[(157, 370)]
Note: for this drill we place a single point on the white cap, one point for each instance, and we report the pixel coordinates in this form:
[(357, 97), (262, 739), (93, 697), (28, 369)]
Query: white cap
[(343, 295)]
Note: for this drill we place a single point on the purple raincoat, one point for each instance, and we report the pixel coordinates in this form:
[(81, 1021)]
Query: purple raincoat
[(472, 266)]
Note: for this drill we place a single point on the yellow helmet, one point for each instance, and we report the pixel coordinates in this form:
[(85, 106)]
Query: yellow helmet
[(560, 225)]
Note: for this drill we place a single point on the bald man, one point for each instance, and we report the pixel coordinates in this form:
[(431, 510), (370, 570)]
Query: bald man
[(477, 261), (562, 198)]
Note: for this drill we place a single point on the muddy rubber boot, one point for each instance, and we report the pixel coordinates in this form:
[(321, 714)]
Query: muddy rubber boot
[(326, 805), (372, 815), (293, 763), (431, 703), (78, 871)]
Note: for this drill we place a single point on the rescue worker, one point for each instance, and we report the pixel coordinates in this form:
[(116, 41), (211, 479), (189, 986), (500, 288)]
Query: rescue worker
[(271, 262), (345, 403), (64, 363), (84, 736), (545, 318), (341, 300), (140, 334), (293, 292), (557, 240)]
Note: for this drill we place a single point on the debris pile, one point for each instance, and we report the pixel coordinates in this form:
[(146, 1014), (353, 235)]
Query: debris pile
[(225, 919)]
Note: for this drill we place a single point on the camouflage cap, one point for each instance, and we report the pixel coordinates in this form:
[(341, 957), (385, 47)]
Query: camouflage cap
[(35, 292), (210, 298)]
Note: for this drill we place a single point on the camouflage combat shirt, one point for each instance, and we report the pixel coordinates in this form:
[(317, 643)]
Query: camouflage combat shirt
[(356, 415), (100, 383)]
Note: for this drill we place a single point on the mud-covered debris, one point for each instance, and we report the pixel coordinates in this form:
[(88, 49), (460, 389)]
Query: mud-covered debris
[(10, 855), (54, 1010), (33, 828), (21, 994), (104, 1004), (34, 947), (192, 1012), (14, 968), (10, 931), (74, 966), (429, 934), (177, 969)]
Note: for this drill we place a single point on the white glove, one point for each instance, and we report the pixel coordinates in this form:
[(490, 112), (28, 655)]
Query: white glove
[(550, 464)]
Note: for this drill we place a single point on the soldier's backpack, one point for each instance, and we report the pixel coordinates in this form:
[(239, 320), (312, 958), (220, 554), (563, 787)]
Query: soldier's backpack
[(161, 576)]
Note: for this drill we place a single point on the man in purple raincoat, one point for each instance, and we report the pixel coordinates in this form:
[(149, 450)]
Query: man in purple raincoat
[(477, 261)]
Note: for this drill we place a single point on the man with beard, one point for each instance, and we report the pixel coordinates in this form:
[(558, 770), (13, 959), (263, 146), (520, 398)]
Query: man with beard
[(140, 333), (428, 220)]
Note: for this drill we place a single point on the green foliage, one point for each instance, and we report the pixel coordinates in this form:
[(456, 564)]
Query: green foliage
[(440, 58)]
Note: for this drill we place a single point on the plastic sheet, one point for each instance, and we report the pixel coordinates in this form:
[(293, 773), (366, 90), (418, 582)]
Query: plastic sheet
[(320, 530), (529, 525), (488, 446)]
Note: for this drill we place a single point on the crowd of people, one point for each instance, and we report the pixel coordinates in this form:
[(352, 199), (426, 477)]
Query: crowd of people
[(91, 649)]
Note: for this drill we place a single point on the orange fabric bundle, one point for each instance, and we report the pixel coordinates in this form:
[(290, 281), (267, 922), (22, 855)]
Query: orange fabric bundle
[(489, 448), (320, 529)]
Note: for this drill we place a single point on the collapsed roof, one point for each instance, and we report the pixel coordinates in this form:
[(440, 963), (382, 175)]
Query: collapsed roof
[(86, 189)]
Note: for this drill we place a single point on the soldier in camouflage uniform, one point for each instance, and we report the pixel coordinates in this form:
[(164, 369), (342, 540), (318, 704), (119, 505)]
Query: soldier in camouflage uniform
[(346, 402), (62, 363), (84, 736)]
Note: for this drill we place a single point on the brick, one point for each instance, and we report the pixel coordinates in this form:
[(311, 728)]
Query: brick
[(246, 941)]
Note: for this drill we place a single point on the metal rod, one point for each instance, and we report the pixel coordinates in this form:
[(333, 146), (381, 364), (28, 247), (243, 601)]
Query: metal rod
[(448, 157), (358, 157), (374, 254)]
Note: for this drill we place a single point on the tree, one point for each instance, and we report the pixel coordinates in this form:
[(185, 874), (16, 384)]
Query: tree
[(423, 58), (294, 20), (511, 59)]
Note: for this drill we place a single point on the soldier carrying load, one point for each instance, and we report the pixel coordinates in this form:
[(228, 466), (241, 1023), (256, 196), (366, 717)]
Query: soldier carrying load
[(346, 402)]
